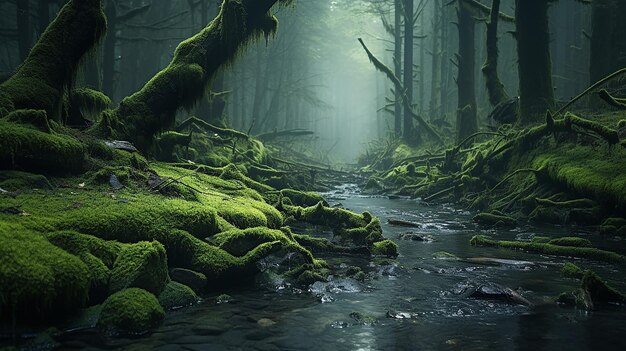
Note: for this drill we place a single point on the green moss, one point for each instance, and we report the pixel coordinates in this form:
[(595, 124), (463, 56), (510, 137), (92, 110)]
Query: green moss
[(36, 119), (599, 178), (50, 68), (548, 249), (541, 239), (301, 198), (38, 279), (571, 241), (132, 311), (309, 277), (90, 103), (332, 217), (176, 295), (385, 248), (241, 242), (22, 181), (31, 149), (141, 265), (578, 203), (486, 218), (572, 271)]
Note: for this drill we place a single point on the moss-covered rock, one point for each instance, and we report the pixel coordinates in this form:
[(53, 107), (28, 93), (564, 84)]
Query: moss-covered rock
[(176, 295), (549, 249), (385, 248), (572, 271), (599, 291), (37, 279), (141, 265), (131, 311)]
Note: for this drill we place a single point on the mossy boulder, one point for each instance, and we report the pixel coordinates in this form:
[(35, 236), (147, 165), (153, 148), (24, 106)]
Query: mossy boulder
[(141, 265), (599, 291), (37, 279), (131, 311), (176, 295), (571, 270), (385, 248)]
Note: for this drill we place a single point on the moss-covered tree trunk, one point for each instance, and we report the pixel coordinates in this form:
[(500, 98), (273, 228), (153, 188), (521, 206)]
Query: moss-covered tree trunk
[(397, 64), (466, 122), (153, 108), (408, 67), (535, 67), (48, 71)]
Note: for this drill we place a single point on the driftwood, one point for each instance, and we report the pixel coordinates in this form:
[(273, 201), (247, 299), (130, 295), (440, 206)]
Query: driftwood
[(402, 223)]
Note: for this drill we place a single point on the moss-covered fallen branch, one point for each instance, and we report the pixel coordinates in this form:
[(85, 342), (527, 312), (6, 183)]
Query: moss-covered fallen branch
[(550, 249)]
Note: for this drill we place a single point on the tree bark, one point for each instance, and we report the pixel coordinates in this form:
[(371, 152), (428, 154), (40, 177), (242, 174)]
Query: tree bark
[(397, 64), (466, 122), (408, 67), (108, 62), (535, 67), (495, 88)]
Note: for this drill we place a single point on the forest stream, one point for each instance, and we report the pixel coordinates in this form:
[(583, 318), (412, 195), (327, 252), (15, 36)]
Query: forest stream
[(416, 302)]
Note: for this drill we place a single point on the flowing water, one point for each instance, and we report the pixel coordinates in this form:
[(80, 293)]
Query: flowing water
[(413, 303)]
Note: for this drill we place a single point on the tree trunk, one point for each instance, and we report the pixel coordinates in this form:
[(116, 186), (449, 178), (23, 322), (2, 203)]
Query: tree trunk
[(608, 50), (397, 64), (495, 88), (535, 67), (108, 62), (408, 67), (24, 30), (466, 122), (435, 81), (50, 67), (153, 108)]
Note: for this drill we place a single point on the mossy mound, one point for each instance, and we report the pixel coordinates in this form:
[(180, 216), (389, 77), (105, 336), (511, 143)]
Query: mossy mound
[(131, 311), (302, 198), (28, 148), (240, 242), (549, 249), (572, 271), (141, 265), (385, 248), (176, 295), (37, 279)]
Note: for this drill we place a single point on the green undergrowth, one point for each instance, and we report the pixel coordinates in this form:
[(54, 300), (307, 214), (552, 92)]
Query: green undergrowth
[(552, 248)]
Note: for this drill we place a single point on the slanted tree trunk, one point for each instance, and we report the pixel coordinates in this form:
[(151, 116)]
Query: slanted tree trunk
[(50, 67), (153, 108), (466, 122), (408, 67), (397, 64), (535, 67)]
